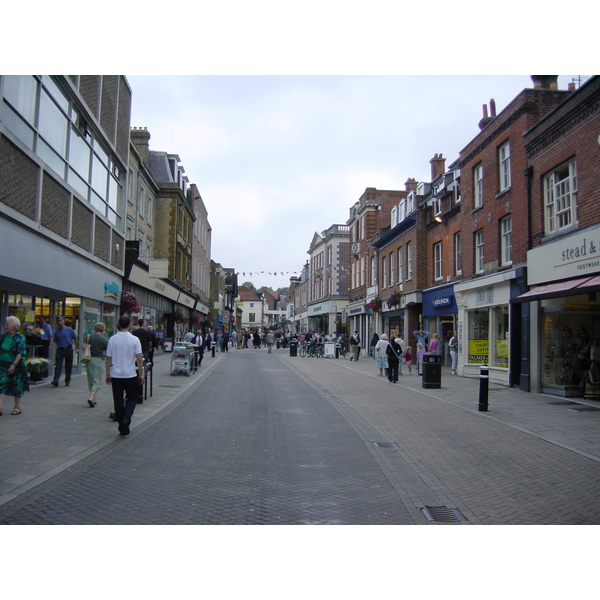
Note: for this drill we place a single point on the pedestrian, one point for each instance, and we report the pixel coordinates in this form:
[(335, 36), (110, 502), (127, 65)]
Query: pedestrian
[(400, 341), (420, 357), (186, 338), (145, 338), (14, 379), (434, 344), (93, 368), (123, 354), (270, 341), (394, 354), (225, 342), (255, 340), (372, 345), (239, 339), (199, 342), (354, 346), (64, 337), (408, 359), (45, 340), (380, 350), (421, 337), (453, 345)]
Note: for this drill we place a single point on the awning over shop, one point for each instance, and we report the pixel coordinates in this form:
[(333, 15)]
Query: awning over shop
[(572, 287)]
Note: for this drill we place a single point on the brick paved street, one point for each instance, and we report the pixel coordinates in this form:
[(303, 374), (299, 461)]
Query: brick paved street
[(274, 439)]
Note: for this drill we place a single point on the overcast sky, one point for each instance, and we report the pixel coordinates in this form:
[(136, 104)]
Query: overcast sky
[(278, 158)]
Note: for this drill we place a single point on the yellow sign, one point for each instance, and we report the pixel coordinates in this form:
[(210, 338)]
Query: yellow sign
[(502, 353), (479, 351)]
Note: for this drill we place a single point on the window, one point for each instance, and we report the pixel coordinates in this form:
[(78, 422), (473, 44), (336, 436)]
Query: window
[(150, 208), (506, 240), (504, 160), (142, 201), (362, 271), (384, 272), (394, 217), (437, 261), (458, 253), (373, 274), (400, 265), (479, 251), (392, 269), (252, 317), (409, 260), (436, 207), (560, 191), (401, 211), (478, 185)]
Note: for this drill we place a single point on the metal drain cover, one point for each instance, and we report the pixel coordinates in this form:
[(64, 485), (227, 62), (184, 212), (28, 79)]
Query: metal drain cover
[(442, 514), (384, 444)]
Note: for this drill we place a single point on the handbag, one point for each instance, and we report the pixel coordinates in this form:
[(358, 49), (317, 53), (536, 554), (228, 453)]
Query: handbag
[(87, 355)]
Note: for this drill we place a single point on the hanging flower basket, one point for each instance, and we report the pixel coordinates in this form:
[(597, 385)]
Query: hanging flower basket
[(179, 317), (375, 304), (195, 320), (393, 299), (129, 304)]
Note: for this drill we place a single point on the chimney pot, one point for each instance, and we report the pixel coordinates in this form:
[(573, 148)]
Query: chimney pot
[(492, 107), (485, 112)]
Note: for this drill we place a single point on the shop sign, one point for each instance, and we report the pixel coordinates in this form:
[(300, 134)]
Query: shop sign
[(572, 256), (111, 290), (479, 351), (442, 302), (502, 353)]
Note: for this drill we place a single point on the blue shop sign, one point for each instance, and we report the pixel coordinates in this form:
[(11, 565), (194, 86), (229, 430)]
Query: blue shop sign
[(439, 302)]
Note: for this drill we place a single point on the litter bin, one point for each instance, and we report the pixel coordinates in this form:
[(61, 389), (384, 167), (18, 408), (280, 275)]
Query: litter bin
[(293, 348), (432, 371)]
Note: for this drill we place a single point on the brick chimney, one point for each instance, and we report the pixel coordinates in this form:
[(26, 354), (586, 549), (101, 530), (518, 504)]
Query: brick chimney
[(410, 184), (487, 120), (140, 136), (545, 82), (438, 166)]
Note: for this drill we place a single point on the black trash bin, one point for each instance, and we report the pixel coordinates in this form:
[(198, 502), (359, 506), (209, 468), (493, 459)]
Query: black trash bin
[(432, 371), (293, 348)]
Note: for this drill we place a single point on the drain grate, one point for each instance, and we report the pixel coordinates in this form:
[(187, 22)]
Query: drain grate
[(442, 514), (384, 444)]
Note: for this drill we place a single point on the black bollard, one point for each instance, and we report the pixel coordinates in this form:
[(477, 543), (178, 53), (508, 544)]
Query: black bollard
[(484, 378)]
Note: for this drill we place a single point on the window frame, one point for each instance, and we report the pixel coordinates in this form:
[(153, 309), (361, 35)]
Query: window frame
[(478, 185), (504, 166), (458, 253), (438, 266), (552, 199), (506, 241), (479, 251)]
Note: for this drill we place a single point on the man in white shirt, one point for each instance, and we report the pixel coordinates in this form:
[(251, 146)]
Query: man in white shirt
[(124, 351)]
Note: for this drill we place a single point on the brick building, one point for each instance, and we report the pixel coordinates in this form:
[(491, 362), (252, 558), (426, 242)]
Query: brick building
[(561, 311), (494, 232), (367, 217)]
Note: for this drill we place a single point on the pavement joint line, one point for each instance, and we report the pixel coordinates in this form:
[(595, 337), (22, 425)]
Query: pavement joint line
[(70, 462)]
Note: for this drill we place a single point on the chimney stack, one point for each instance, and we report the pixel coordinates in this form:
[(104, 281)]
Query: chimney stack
[(410, 184), (140, 136), (487, 120), (492, 107), (545, 82), (438, 166)]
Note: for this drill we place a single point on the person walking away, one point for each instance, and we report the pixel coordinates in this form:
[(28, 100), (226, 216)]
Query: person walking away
[(354, 346), (408, 359), (380, 351), (420, 357), (270, 341), (255, 340), (14, 379), (93, 368), (63, 338), (453, 345), (225, 342), (145, 338), (199, 342), (394, 355), (123, 354), (400, 341), (46, 341), (372, 345)]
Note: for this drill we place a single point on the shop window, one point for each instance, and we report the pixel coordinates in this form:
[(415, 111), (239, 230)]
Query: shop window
[(479, 344), (500, 337)]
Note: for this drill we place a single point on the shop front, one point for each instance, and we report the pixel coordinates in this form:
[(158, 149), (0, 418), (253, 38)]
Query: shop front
[(361, 319), (564, 315), (46, 282), (484, 326), (439, 314), (326, 317)]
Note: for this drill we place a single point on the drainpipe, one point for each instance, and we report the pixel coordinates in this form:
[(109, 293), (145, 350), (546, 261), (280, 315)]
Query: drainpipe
[(529, 178)]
